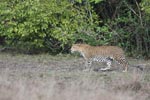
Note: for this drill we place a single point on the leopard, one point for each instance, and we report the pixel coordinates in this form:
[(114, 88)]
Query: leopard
[(106, 54)]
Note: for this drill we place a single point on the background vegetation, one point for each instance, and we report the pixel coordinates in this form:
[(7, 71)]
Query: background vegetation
[(52, 26)]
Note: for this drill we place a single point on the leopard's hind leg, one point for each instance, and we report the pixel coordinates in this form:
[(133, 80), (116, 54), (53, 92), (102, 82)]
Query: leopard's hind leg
[(88, 64), (122, 61)]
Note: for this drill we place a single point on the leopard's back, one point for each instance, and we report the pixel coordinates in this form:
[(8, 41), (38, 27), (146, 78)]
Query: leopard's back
[(104, 51)]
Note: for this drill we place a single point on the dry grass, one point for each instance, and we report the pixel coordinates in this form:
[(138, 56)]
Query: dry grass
[(37, 77)]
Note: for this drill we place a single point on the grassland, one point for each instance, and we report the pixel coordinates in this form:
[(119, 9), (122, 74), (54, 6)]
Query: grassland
[(61, 77)]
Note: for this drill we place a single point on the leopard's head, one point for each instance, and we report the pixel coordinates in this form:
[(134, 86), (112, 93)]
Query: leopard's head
[(78, 48), (75, 48)]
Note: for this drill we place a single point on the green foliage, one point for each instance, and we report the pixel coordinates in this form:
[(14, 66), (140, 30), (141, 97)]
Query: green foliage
[(128, 28), (95, 1), (49, 24), (53, 25), (145, 4)]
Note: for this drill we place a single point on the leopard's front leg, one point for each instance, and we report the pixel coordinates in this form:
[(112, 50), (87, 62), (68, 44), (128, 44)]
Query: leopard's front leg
[(88, 64)]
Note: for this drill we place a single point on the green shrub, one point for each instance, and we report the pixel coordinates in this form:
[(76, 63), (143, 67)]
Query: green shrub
[(53, 25), (128, 28), (45, 24)]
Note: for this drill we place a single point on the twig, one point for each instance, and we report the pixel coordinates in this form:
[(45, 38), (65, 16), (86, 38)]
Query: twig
[(140, 15)]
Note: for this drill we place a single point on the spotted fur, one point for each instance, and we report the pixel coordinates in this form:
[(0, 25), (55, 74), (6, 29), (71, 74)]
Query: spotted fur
[(101, 54)]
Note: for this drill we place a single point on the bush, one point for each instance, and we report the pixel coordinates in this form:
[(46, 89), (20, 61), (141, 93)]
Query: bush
[(53, 25), (43, 24), (126, 25)]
